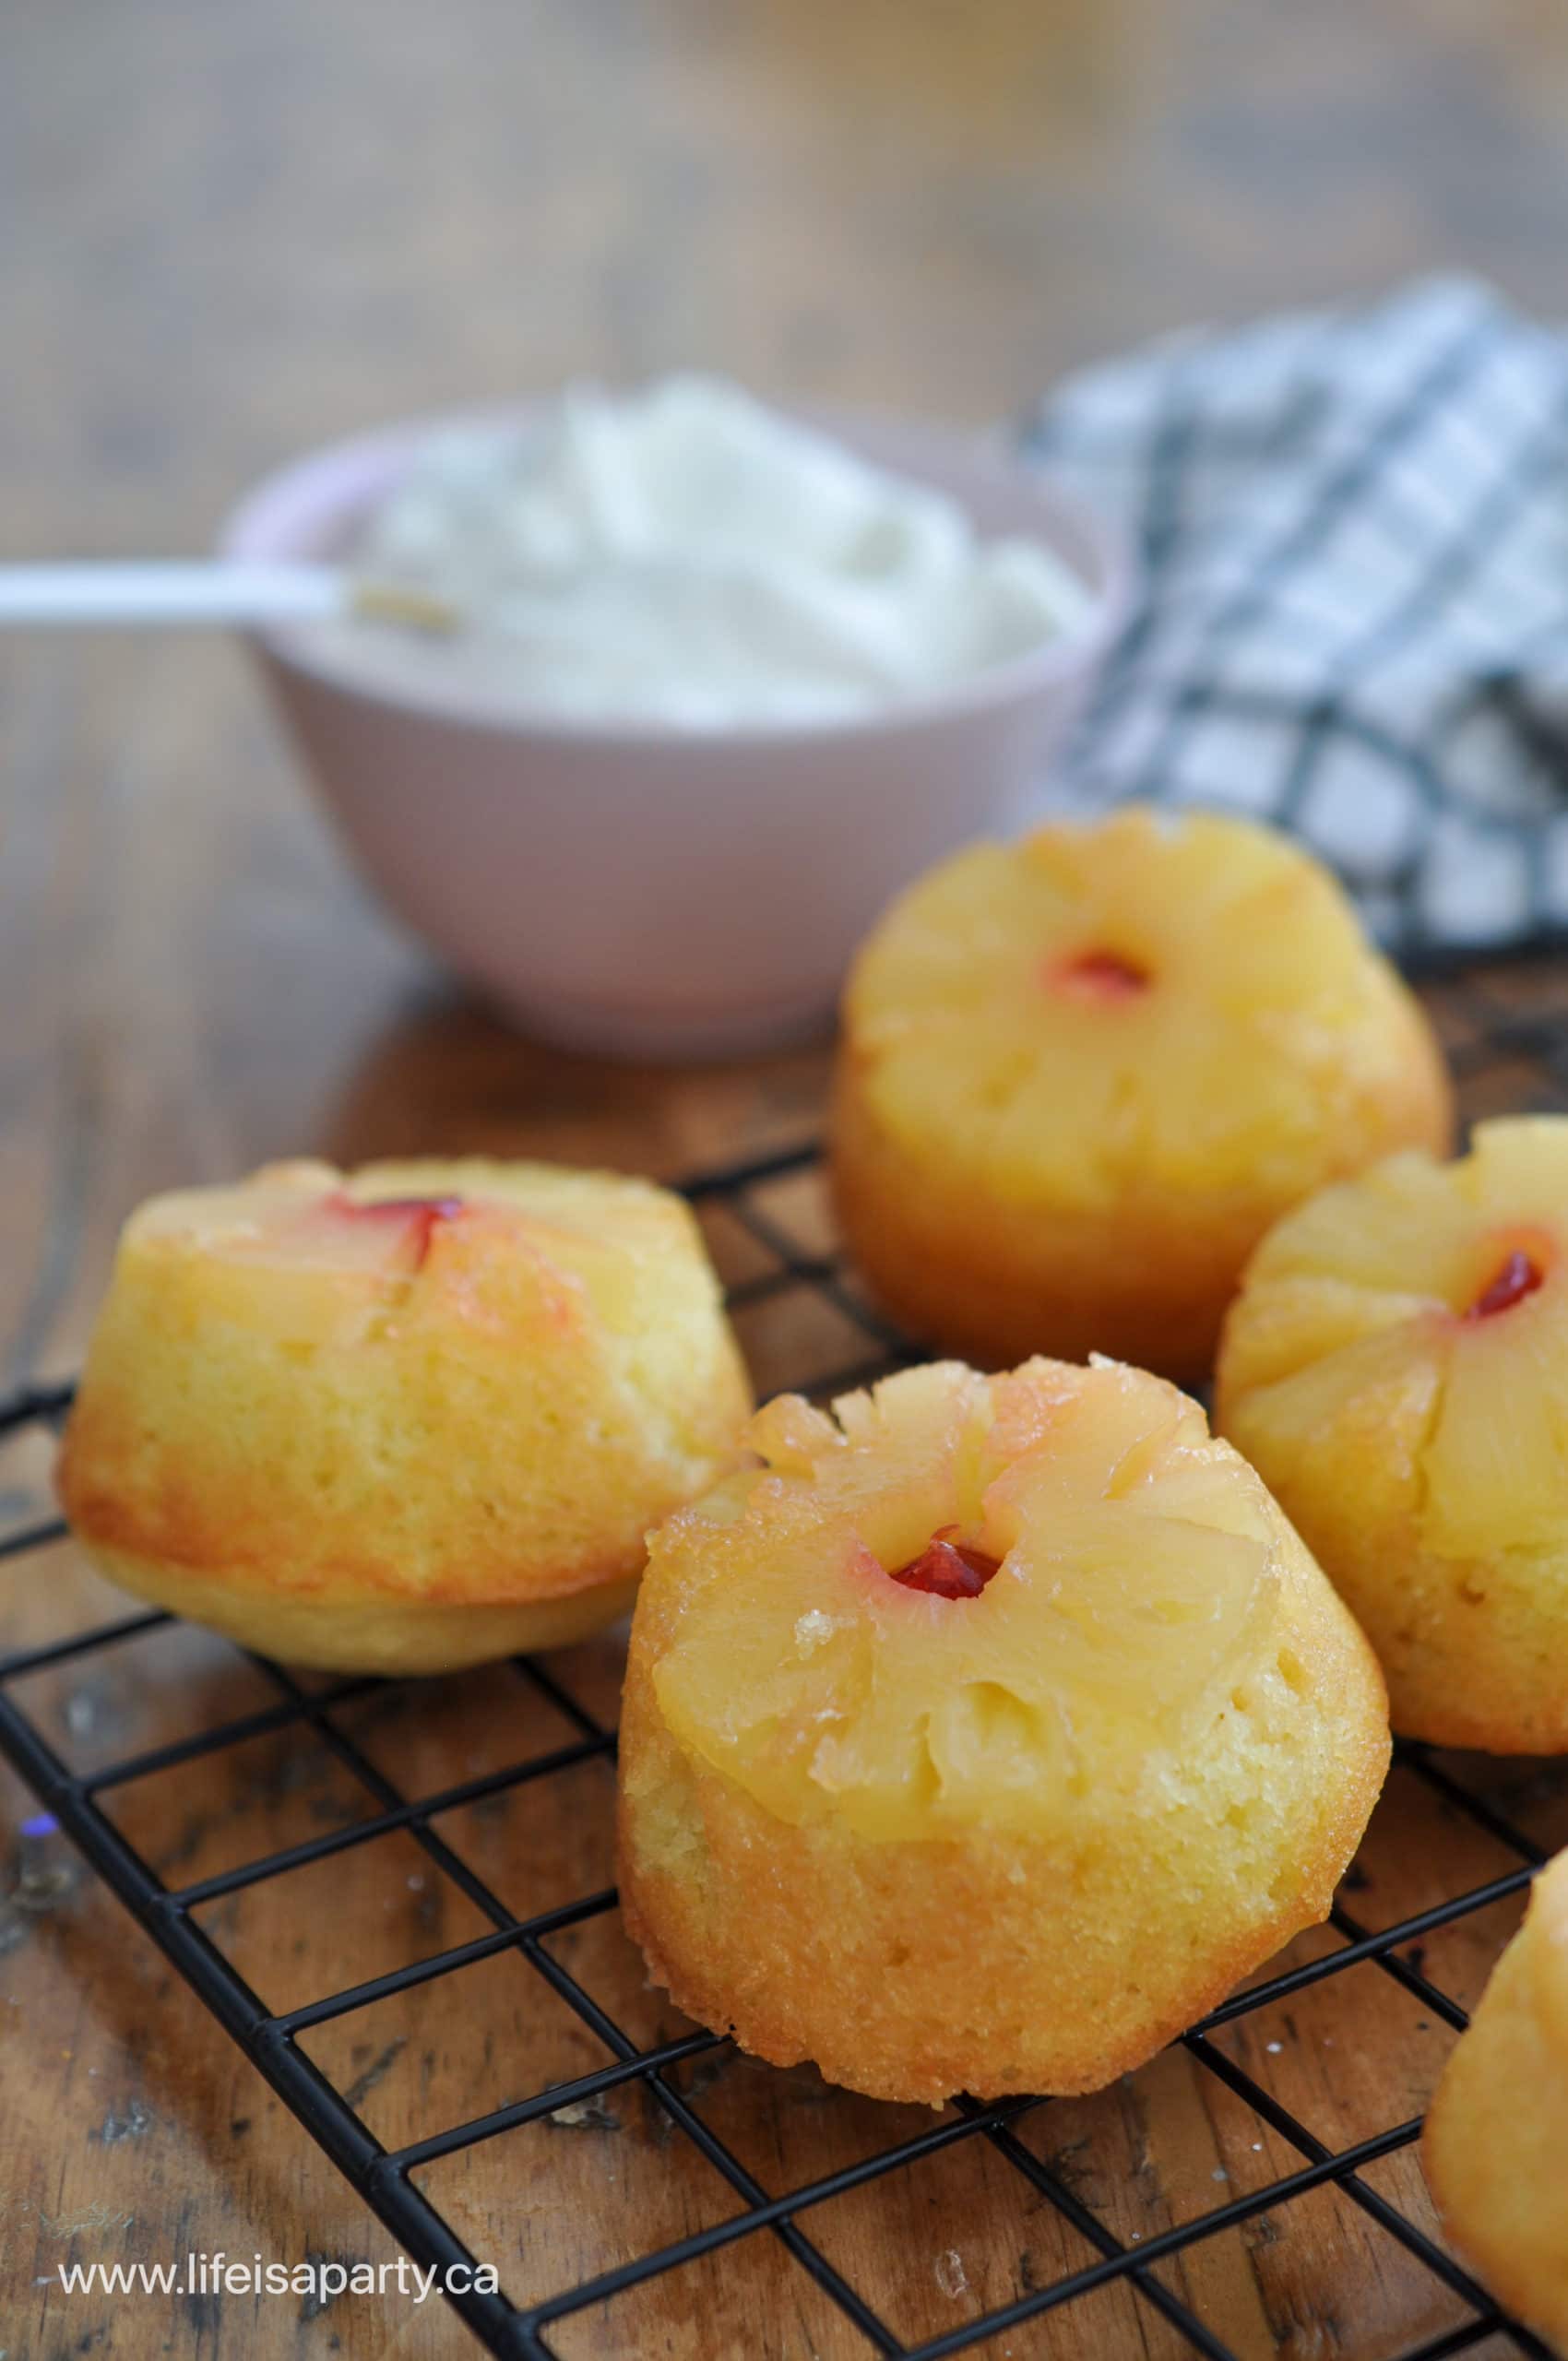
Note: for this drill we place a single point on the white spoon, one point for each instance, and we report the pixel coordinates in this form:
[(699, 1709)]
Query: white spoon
[(177, 591)]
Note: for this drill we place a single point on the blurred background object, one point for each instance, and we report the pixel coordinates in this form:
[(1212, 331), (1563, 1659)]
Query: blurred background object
[(639, 882), (265, 226)]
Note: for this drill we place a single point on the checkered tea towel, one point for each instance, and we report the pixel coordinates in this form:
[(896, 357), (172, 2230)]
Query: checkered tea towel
[(1354, 621)]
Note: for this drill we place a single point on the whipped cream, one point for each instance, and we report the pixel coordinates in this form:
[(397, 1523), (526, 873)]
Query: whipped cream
[(685, 556)]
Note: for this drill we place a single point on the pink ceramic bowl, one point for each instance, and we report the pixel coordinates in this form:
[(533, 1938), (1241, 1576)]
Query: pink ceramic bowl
[(651, 893)]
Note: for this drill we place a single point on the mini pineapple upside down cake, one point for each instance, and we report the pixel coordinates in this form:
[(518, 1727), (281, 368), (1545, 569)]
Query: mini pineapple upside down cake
[(985, 1733), (1496, 2142), (1083, 1074), (1395, 1367), (404, 1418)]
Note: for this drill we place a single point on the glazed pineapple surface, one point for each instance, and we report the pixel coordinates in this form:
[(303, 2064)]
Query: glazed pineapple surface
[(1396, 1367), (1496, 2141), (403, 1418), (985, 1733), (1082, 1074)]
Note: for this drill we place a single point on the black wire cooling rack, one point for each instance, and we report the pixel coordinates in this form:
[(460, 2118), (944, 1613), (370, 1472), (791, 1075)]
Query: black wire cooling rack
[(1507, 1043)]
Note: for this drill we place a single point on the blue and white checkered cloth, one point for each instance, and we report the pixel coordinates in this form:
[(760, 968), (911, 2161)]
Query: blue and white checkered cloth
[(1354, 534)]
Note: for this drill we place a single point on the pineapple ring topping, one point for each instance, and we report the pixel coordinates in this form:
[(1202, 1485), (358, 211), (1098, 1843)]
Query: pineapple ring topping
[(947, 1569), (1520, 1277), (1375, 1300), (1105, 977), (1123, 1570)]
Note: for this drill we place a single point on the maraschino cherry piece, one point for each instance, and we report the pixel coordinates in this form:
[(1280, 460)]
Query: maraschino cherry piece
[(947, 1569), (1518, 1277), (415, 1217), (1104, 975)]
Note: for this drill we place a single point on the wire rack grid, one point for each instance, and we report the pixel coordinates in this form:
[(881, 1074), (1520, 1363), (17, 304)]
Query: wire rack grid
[(1505, 1034)]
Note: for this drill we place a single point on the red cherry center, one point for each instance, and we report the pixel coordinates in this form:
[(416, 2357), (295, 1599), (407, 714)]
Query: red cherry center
[(415, 1217), (1104, 977), (947, 1569), (1518, 1277)]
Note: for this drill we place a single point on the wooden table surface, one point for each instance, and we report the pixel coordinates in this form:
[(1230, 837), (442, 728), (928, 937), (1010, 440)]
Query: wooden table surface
[(225, 232)]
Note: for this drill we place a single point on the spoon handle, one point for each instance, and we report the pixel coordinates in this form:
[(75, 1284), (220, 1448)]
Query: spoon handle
[(92, 594)]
